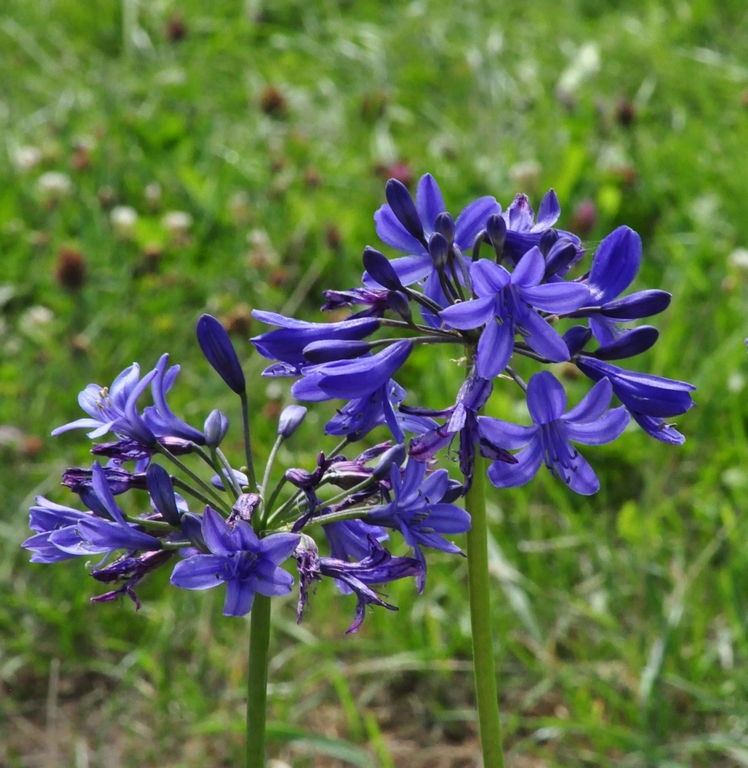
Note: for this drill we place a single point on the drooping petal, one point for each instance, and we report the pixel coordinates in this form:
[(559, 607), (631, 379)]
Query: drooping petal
[(495, 348), (546, 398), (429, 201), (542, 337), (504, 434), (604, 430), (239, 598), (504, 475), (614, 265), (473, 219), (198, 572)]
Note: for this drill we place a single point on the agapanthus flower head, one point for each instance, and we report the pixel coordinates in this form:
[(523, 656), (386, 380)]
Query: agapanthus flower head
[(238, 558), (549, 440)]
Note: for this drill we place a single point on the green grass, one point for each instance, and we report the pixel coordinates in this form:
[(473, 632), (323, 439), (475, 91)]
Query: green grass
[(621, 619)]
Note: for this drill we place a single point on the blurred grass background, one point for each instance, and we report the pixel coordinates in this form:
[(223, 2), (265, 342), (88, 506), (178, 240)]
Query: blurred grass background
[(269, 128)]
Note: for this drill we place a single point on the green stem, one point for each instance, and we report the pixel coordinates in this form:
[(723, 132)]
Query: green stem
[(187, 488), (248, 441), (480, 621), (257, 681)]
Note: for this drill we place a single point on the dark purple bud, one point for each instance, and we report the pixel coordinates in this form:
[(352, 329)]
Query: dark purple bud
[(192, 527), (547, 241), (301, 478), (219, 351), (399, 304), (439, 250), (244, 507), (380, 269), (120, 480), (631, 343), (215, 428), (637, 305), (125, 568), (290, 420), (454, 491), (329, 351), (560, 256), (403, 207), (161, 490), (395, 455), (445, 225), (496, 231), (576, 339)]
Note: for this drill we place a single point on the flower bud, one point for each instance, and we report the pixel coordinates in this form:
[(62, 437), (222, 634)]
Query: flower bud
[(192, 528), (403, 207), (439, 250), (290, 420), (445, 225), (399, 304), (496, 231), (161, 491), (215, 428), (219, 352), (380, 269), (395, 455)]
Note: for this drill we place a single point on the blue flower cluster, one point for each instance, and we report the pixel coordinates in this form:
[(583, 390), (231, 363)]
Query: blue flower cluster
[(498, 284)]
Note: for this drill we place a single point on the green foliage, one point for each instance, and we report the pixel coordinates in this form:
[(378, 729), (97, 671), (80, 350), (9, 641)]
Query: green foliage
[(621, 624)]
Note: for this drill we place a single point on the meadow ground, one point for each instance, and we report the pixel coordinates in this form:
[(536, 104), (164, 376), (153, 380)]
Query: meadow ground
[(620, 620)]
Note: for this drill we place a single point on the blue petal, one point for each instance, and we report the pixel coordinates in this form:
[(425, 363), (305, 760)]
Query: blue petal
[(599, 432), (504, 475), (542, 337), (473, 219), (638, 305), (216, 533), (429, 201), (615, 264), (401, 204), (519, 216), (279, 546), (488, 278), (392, 232), (504, 434), (549, 212), (199, 572), (555, 297), (546, 398), (469, 314), (239, 598), (495, 348), (530, 270), (582, 479), (593, 405), (629, 343), (448, 518), (658, 429), (380, 270)]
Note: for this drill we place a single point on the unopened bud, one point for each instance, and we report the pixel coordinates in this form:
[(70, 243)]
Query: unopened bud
[(290, 420), (445, 225), (496, 231), (192, 528), (161, 491), (403, 207), (215, 428), (219, 351), (395, 455), (380, 269), (399, 304), (439, 250)]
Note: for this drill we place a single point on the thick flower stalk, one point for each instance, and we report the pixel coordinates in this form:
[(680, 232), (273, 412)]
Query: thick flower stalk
[(494, 286)]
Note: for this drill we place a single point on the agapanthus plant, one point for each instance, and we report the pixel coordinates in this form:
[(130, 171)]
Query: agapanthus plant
[(492, 285)]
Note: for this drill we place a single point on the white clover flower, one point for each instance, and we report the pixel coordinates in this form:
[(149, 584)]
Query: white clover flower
[(177, 222), (25, 158), (123, 219), (54, 185)]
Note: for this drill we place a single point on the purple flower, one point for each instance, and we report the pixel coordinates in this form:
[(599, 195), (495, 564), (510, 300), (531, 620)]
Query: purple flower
[(114, 408), (120, 480), (158, 417), (378, 566), (351, 379), (548, 440), (131, 570), (239, 558), (287, 344), (614, 267), (523, 232), (508, 304), (399, 226), (220, 353), (649, 399), (418, 512)]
